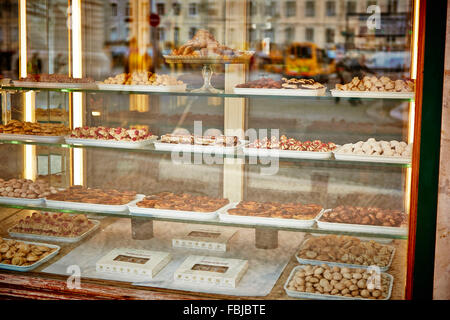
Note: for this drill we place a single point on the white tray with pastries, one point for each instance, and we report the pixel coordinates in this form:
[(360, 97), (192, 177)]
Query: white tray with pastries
[(173, 214), (375, 151), (30, 137), (199, 144), (363, 228), (292, 154), (373, 87), (41, 248), (380, 291), (88, 207), (312, 261), (54, 85), (111, 143), (283, 87), (142, 88), (265, 221), (41, 237)]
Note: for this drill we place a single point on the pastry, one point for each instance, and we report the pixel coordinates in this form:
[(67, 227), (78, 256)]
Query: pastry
[(25, 188), (276, 210), (117, 134), (383, 84), (365, 215), (19, 253), (182, 202), (35, 129), (285, 143), (92, 195)]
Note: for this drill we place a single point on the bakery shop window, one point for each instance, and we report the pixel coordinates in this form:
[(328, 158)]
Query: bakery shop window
[(209, 268), (130, 259)]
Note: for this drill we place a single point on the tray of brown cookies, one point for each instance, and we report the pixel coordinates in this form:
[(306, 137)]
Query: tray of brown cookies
[(313, 282), (295, 215), (58, 227), (54, 81), (31, 131), (364, 219), (91, 199), (283, 87), (373, 87), (24, 255), (181, 206), (345, 251)]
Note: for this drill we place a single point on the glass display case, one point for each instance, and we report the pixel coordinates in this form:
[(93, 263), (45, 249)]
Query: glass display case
[(224, 149)]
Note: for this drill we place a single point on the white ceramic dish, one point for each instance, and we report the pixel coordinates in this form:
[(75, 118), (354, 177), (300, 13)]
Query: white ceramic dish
[(141, 88), (174, 214), (340, 264), (29, 137), (88, 207), (179, 147), (363, 158), (372, 94), (54, 85), (37, 263), (307, 295), (32, 236), (111, 143), (22, 201), (281, 92), (265, 221), (276, 153)]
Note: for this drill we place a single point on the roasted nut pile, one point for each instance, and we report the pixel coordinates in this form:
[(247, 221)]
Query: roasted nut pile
[(268, 83), (372, 147), (19, 253), (374, 84), (203, 44), (43, 77), (276, 210), (35, 129), (143, 78), (97, 196), (347, 282), (182, 202), (367, 216), (25, 188), (54, 224), (200, 140), (346, 249), (117, 134), (286, 143)]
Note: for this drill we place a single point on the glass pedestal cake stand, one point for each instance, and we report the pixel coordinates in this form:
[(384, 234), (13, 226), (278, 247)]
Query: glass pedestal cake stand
[(207, 70)]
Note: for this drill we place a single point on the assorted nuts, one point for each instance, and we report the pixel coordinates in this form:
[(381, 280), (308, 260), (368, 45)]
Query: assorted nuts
[(25, 188), (367, 216), (372, 147), (336, 281), (374, 84), (346, 249)]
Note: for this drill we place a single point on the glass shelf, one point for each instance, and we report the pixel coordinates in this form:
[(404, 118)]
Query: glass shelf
[(215, 222), (238, 155), (326, 97)]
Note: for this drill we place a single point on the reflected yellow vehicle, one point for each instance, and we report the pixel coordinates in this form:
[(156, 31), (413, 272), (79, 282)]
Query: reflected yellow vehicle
[(305, 59)]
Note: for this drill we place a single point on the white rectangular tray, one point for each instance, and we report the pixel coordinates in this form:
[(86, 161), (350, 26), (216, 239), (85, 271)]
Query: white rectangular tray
[(111, 143), (372, 94), (276, 153), (146, 88), (307, 295), (363, 158), (89, 207), (179, 147), (54, 85), (22, 201), (398, 231), (29, 137), (340, 264), (252, 220), (281, 92), (175, 214), (37, 263), (32, 236)]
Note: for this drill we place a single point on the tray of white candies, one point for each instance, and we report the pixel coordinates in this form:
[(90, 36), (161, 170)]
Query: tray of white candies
[(375, 151)]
